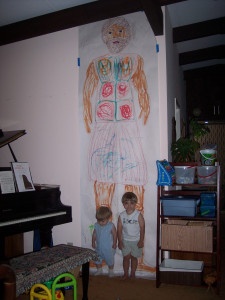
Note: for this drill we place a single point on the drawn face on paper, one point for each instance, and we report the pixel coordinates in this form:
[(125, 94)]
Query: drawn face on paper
[(116, 34)]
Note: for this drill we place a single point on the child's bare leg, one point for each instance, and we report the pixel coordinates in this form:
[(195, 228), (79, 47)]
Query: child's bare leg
[(111, 273), (99, 269), (134, 263), (126, 265)]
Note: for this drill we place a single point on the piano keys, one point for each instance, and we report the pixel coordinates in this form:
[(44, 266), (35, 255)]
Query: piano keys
[(26, 211)]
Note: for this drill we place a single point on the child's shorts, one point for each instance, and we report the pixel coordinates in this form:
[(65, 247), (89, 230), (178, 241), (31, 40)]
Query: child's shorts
[(131, 248)]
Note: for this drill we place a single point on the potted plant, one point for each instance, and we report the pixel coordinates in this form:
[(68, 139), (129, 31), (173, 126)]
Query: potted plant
[(185, 148)]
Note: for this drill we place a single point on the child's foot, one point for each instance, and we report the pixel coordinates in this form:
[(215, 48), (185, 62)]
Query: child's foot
[(124, 277), (132, 276), (111, 273), (98, 272)]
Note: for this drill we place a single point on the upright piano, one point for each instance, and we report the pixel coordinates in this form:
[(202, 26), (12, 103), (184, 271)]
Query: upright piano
[(40, 209)]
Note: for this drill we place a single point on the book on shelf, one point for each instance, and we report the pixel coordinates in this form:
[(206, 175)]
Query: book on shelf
[(22, 175)]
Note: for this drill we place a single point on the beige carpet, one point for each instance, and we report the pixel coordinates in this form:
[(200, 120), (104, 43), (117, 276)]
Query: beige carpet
[(105, 288)]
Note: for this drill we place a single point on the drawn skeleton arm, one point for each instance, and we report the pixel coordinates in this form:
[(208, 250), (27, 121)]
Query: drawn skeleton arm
[(140, 84), (90, 85)]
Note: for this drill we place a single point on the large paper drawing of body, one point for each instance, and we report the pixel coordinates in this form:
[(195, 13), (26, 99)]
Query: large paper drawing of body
[(115, 154)]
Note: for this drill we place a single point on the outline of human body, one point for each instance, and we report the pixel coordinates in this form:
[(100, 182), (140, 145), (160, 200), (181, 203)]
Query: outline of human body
[(115, 153)]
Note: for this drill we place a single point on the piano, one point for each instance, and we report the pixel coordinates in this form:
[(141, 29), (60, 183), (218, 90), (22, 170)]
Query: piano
[(26, 211), (40, 209)]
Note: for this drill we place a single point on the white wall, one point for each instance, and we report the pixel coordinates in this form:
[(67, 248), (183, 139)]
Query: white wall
[(162, 81), (171, 86), (175, 82), (39, 93), (39, 84)]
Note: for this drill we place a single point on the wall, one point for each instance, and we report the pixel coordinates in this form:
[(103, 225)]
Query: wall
[(162, 82), (39, 93), (38, 83), (175, 82)]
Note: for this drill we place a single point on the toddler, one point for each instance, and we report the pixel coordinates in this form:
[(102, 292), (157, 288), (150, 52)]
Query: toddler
[(130, 232), (104, 239)]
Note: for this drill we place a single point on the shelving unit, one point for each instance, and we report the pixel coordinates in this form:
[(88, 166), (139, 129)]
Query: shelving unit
[(210, 253)]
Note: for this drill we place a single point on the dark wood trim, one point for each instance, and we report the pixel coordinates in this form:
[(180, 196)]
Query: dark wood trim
[(154, 15), (217, 52), (168, 2), (80, 15), (199, 30), (216, 70)]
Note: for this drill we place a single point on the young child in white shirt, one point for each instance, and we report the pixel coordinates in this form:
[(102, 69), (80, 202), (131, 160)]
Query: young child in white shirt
[(130, 232)]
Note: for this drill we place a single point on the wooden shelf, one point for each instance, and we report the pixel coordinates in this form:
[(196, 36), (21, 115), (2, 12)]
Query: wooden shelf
[(211, 256)]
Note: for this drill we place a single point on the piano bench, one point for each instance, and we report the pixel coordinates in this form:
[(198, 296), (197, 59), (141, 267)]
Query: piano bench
[(41, 266), (53, 292)]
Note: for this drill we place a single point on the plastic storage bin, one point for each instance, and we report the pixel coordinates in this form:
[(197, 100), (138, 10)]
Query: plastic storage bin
[(188, 272), (184, 174), (208, 199), (184, 206), (207, 174), (207, 211)]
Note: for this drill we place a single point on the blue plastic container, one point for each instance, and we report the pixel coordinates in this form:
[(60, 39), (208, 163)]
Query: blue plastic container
[(208, 211), (180, 206), (208, 199)]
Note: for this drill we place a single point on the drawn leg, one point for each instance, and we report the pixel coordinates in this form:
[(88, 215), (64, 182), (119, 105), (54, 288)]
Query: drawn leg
[(103, 193), (139, 192)]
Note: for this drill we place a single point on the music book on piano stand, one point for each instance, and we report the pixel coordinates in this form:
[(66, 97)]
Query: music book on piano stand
[(7, 182), (22, 175)]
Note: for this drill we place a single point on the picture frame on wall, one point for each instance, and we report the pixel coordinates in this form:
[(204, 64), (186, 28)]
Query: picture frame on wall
[(22, 175)]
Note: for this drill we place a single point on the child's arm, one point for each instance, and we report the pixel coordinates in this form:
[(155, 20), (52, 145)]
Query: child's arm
[(94, 239), (119, 234), (114, 235), (141, 221)]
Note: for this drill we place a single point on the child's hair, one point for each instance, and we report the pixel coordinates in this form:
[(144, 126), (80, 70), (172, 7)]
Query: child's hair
[(103, 213), (129, 196)]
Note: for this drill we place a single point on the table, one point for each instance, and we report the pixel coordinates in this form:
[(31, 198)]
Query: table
[(43, 265)]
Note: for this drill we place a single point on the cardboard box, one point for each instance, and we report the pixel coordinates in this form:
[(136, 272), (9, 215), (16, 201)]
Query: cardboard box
[(188, 272), (180, 206), (184, 235)]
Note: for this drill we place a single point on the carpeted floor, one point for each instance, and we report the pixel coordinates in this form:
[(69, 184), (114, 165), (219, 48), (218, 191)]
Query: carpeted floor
[(105, 288)]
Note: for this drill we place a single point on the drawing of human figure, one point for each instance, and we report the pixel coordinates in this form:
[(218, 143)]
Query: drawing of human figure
[(111, 83)]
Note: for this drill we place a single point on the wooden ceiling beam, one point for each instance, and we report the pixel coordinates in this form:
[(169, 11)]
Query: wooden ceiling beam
[(81, 15), (154, 15), (168, 2), (199, 30), (215, 70), (217, 52)]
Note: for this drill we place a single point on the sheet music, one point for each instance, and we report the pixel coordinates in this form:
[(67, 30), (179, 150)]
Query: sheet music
[(7, 182), (22, 175)]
